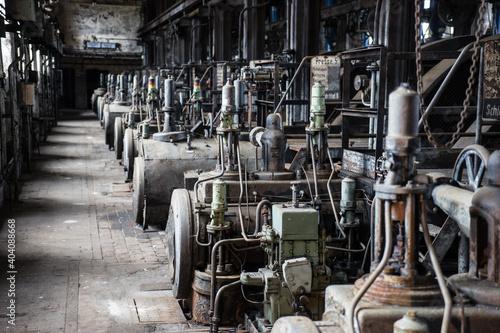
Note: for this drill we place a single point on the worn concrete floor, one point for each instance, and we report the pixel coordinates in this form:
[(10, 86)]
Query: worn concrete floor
[(80, 265)]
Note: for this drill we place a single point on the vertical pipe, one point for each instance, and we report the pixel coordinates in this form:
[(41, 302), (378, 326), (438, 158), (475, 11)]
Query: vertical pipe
[(377, 226), (479, 117), (463, 254), (410, 234)]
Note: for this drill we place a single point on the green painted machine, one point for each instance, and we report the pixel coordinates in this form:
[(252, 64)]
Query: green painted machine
[(295, 276)]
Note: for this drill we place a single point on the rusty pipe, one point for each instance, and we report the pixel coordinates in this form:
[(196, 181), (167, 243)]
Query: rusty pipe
[(257, 214), (330, 194), (222, 289), (240, 23), (213, 281), (437, 269)]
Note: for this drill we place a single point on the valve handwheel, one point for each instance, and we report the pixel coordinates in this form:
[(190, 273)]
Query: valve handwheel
[(471, 166)]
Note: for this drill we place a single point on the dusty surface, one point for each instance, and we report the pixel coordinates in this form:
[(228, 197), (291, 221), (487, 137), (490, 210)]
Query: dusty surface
[(80, 263)]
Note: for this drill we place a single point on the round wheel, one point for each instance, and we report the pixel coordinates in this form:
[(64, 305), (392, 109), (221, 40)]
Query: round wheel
[(128, 153), (107, 127), (118, 141), (179, 248), (138, 192), (471, 166)]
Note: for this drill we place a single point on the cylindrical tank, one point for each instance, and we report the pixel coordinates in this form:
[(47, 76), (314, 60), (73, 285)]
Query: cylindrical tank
[(164, 167), (348, 200), (228, 95), (403, 113), (231, 304), (123, 87), (239, 98), (169, 92)]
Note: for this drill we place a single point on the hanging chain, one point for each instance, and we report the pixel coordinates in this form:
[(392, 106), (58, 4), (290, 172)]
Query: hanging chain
[(471, 80)]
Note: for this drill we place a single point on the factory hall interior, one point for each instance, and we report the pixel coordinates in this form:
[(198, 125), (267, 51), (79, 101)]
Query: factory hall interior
[(250, 166)]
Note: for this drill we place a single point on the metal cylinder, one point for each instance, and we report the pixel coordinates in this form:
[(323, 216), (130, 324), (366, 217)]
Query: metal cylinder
[(347, 193), (123, 82), (410, 324), (228, 92), (158, 84), (123, 87), (196, 89), (348, 201), (455, 202), (169, 92), (231, 305), (239, 101), (318, 109), (151, 88), (145, 82), (151, 84), (102, 83), (136, 82), (273, 142), (219, 201), (403, 113)]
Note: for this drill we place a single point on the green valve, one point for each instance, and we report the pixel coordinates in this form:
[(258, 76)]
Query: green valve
[(318, 110), (196, 89), (219, 207)]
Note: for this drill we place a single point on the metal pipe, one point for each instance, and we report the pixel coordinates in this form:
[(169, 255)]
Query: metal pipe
[(257, 214), (479, 114), (447, 79), (463, 254), (337, 222), (193, 39), (437, 269), (373, 276), (411, 253), (217, 300), (182, 71), (376, 22), (243, 232), (290, 84), (314, 167), (213, 282), (240, 24), (455, 202)]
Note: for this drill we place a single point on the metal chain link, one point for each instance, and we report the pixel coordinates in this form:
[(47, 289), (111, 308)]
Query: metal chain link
[(471, 80)]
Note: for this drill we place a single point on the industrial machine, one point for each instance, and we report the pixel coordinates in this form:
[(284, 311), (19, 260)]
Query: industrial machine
[(400, 284), (253, 240), (265, 231)]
